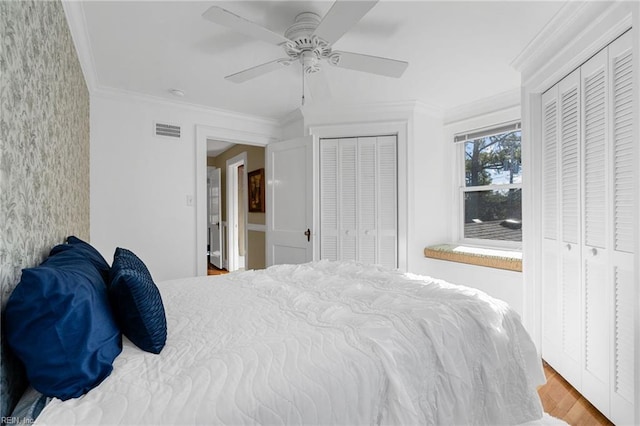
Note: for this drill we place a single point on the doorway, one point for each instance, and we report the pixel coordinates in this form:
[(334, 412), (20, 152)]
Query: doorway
[(253, 142)]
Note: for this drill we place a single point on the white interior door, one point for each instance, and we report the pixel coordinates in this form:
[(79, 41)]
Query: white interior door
[(290, 201), (623, 228), (214, 216), (551, 291), (236, 208), (358, 200), (570, 266), (595, 247)]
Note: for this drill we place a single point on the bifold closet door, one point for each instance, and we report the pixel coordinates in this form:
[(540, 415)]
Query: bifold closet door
[(569, 119), (358, 200), (551, 290), (330, 190), (338, 199), (622, 233), (588, 235), (387, 200), (596, 291)]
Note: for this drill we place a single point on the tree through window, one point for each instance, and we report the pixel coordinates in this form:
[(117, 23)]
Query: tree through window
[(492, 192)]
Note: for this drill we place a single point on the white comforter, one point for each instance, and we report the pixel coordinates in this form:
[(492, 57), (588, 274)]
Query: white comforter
[(321, 343)]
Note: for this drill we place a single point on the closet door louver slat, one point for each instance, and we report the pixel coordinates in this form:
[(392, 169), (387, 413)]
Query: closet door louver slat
[(596, 360), (550, 167), (623, 153), (623, 346), (570, 138), (387, 206), (595, 181), (367, 181), (348, 167), (329, 200)]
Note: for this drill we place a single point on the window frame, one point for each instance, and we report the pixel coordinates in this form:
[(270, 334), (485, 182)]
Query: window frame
[(463, 189)]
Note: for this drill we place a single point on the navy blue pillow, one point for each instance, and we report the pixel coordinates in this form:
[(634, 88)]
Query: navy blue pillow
[(75, 243), (59, 323), (136, 302)]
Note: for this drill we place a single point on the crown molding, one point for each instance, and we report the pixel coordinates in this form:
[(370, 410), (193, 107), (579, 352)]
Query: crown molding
[(485, 106), (577, 31), (363, 111), (291, 117), (77, 24), (120, 94), (570, 13), (428, 109)]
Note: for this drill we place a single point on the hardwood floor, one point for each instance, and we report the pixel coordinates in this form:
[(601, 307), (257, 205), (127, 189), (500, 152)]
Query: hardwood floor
[(212, 270), (562, 401)]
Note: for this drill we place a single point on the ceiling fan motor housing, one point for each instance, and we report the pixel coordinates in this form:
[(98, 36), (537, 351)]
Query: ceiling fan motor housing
[(306, 47), (305, 24)]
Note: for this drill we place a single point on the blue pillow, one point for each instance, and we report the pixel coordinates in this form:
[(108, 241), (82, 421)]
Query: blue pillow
[(59, 323), (75, 243), (136, 302)]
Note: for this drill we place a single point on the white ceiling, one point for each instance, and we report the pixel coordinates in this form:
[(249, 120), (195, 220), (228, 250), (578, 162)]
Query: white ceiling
[(458, 52)]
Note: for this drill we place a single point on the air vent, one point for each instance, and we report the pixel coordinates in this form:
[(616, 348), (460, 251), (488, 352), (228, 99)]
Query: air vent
[(167, 130)]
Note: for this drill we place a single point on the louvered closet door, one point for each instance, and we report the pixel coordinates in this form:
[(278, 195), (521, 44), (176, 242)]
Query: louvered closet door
[(595, 249), (387, 205), (551, 291), (570, 280), (338, 203), (329, 190), (367, 200), (622, 230), (347, 197), (358, 200)]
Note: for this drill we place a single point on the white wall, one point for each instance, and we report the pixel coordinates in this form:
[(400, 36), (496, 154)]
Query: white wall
[(498, 283), (430, 192), (140, 182), (502, 284)]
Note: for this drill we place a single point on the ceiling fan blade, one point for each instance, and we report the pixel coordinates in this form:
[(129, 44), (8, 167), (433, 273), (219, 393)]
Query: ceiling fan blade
[(237, 23), (341, 17), (257, 71), (371, 64)]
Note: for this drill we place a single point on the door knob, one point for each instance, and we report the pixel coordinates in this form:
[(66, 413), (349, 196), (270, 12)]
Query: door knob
[(308, 234)]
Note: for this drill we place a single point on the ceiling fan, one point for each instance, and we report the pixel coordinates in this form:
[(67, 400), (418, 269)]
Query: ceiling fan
[(309, 40)]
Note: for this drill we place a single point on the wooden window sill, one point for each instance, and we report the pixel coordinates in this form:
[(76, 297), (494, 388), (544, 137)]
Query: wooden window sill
[(492, 258)]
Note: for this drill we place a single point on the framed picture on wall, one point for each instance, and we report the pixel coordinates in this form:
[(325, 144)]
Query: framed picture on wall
[(256, 191)]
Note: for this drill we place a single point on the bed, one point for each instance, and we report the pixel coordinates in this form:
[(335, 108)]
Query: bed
[(320, 343)]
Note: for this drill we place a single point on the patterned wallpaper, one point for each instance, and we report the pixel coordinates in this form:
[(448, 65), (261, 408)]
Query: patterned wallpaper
[(44, 147)]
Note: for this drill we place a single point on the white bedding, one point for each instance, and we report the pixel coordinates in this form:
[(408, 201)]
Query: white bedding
[(321, 343)]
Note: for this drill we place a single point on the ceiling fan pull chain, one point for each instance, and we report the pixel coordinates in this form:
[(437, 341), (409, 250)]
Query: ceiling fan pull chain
[(302, 67)]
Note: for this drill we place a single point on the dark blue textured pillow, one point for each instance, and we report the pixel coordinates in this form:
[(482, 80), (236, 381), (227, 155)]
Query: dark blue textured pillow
[(59, 323), (75, 243), (136, 302)]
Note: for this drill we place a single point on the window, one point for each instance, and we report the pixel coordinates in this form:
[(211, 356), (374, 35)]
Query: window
[(491, 193)]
